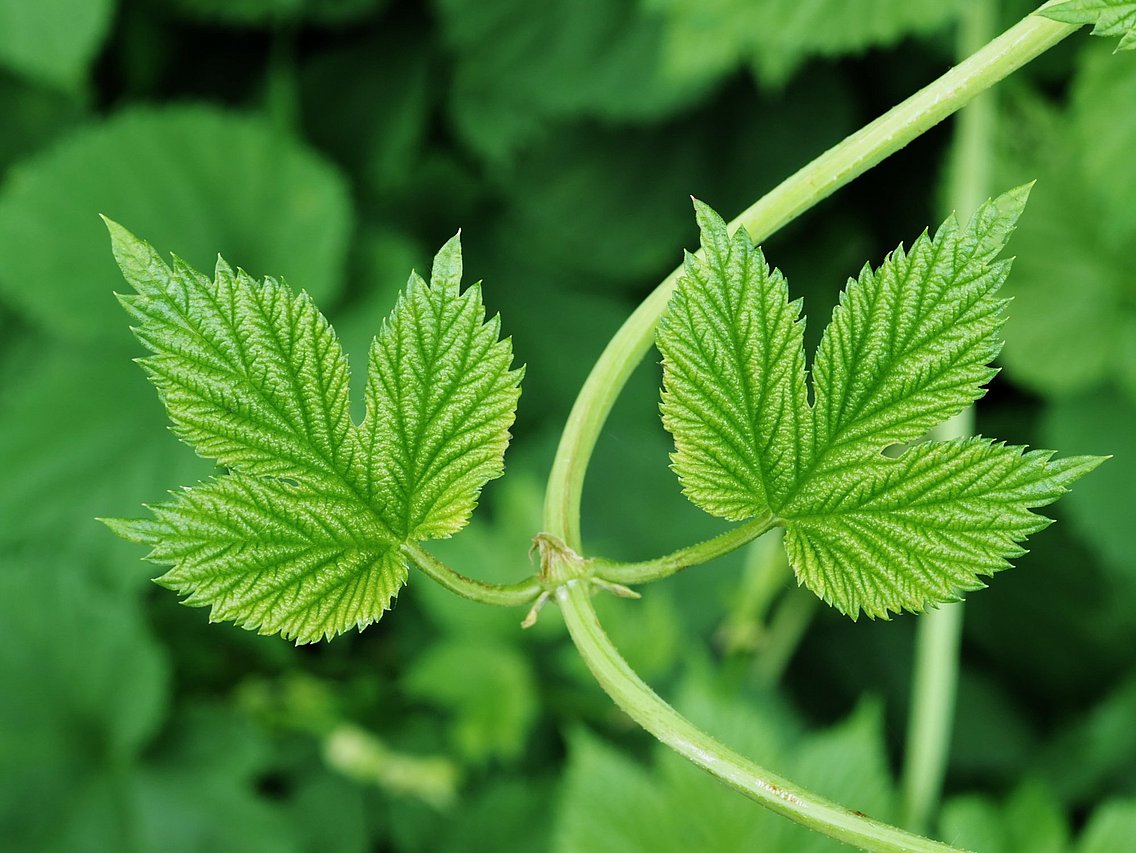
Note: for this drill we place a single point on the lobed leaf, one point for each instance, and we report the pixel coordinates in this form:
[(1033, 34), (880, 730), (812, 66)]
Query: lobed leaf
[(909, 345), (883, 534), (1108, 17), (734, 392), (302, 537)]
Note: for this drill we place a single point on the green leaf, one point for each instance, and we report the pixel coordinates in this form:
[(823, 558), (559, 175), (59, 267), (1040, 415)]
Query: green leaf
[(612, 803), (488, 687), (575, 66), (707, 37), (81, 435), (1100, 511), (909, 346), (250, 375), (1073, 324), (53, 41), (204, 179), (273, 557), (1108, 17), (1030, 819), (910, 343), (1112, 827), (734, 377), (440, 401), (273, 12), (885, 534), (302, 536)]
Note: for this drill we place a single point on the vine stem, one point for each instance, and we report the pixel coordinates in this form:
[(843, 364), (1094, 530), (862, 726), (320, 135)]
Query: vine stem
[(510, 595), (645, 707), (684, 558), (816, 181), (796, 194)]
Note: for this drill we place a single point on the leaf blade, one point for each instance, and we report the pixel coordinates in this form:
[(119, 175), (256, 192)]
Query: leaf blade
[(886, 535), (910, 343), (734, 394), (1108, 17), (273, 557), (441, 396), (250, 375)]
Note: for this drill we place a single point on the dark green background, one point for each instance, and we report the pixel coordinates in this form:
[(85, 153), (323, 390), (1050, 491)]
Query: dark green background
[(338, 143)]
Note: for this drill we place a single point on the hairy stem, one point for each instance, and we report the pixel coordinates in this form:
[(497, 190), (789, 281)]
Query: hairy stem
[(801, 191), (693, 555), (510, 595), (660, 719)]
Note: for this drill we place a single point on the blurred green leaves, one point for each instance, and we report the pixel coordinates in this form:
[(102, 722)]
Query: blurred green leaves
[(53, 41), (335, 141), (775, 37), (612, 803), (575, 66), (202, 179), (84, 689), (1073, 326)]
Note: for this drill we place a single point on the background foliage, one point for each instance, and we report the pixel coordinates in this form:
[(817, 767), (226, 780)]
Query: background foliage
[(338, 143)]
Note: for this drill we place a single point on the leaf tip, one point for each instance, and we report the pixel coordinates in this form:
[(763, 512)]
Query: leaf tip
[(137, 530)]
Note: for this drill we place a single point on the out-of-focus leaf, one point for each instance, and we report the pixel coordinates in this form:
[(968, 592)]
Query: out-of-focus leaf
[(192, 177), (635, 183), (611, 803), (992, 739), (489, 689), (329, 813), (199, 790), (1104, 132), (269, 12), (33, 116), (1101, 506), (81, 436), (1031, 819), (53, 41), (1096, 752), (367, 107), (508, 814), (1112, 827), (1073, 324), (380, 265), (777, 36), (84, 689), (522, 67)]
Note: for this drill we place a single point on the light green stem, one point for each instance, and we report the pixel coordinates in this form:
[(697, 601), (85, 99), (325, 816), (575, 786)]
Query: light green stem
[(511, 595), (694, 555), (939, 632), (819, 179), (660, 719), (801, 191), (786, 628)]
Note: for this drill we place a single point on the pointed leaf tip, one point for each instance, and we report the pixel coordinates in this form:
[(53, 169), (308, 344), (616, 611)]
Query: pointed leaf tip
[(447, 270)]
